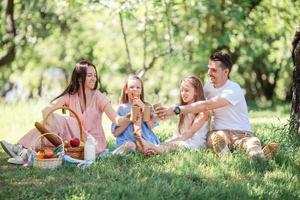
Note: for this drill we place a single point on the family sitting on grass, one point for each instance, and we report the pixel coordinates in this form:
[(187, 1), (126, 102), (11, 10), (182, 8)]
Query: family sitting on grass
[(221, 97)]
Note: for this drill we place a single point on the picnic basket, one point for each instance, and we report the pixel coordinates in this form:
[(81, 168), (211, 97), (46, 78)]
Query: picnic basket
[(74, 152), (48, 163)]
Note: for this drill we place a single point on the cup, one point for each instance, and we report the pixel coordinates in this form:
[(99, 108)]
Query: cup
[(147, 113), (157, 106), (135, 111)]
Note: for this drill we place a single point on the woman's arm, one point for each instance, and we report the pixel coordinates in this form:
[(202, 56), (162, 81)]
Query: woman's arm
[(122, 122), (61, 101), (200, 119), (122, 127), (112, 115)]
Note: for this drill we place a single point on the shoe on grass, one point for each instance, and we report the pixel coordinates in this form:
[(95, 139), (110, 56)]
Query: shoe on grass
[(8, 148), (256, 155), (18, 160), (270, 150), (219, 145)]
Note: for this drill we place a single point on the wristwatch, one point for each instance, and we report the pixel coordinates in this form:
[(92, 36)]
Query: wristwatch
[(177, 110)]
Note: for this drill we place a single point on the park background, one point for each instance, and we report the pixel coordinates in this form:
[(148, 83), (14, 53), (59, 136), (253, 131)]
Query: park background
[(162, 41)]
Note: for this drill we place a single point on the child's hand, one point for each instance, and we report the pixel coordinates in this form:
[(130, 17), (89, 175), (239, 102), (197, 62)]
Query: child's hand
[(139, 103)]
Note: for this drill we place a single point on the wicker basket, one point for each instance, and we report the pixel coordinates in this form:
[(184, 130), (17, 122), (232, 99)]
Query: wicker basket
[(74, 152), (48, 163)]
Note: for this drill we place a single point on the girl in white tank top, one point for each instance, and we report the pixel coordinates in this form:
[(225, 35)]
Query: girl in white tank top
[(192, 128)]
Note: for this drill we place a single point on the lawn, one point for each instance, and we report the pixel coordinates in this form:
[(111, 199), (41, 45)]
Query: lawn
[(177, 175)]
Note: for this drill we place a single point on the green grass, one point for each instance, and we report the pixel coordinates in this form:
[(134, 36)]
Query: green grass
[(177, 175)]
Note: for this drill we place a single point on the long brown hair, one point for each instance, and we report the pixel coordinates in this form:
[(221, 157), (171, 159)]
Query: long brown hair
[(198, 96), (78, 79), (124, 97)]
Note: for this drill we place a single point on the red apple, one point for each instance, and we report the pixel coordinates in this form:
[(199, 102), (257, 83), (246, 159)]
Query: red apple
[(75, 142)]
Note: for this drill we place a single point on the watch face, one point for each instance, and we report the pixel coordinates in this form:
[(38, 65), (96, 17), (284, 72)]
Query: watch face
[(177, 110)]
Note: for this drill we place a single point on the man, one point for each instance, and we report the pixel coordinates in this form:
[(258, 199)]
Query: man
[(228, 105)]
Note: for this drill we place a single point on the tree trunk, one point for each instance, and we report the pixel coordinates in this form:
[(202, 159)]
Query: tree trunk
[(11, 31), (294, 122)]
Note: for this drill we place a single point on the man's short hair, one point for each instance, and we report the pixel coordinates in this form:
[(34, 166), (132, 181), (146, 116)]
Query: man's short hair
[(223, 57)]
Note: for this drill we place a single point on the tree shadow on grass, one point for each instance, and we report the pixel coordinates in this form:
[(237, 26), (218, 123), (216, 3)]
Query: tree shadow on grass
[(178, 175)]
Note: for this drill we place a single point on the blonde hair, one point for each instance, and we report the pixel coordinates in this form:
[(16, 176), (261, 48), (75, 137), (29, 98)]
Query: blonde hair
[(124, 97), (198, 96)]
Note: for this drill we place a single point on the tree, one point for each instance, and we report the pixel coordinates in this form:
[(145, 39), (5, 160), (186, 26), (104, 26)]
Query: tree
[(295, 112), (11, 33)]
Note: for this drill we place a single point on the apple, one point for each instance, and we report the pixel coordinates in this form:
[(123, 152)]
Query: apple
[(75, 142)]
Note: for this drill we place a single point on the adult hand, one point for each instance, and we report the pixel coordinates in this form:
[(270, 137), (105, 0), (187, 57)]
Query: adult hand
[(164, 112), (128, 116)]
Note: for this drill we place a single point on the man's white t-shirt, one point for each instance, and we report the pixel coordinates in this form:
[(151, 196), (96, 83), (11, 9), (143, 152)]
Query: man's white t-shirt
[(233, 116)]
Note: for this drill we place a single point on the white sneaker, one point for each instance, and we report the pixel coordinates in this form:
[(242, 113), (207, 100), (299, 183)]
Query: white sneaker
[(256, 155), (18, 160), (23, 154), (8, 148)]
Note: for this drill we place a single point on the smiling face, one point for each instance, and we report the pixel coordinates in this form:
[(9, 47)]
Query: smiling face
[(91, 78), (187, 92), (217, 74), (134, 89)]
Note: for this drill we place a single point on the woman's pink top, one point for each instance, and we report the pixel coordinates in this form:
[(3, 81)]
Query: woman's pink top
[(67, 127)]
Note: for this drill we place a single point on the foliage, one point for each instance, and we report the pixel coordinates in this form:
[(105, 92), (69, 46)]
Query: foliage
[(169, 38)]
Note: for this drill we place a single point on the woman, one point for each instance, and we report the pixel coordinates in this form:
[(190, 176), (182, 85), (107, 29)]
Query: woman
[(82, 96)]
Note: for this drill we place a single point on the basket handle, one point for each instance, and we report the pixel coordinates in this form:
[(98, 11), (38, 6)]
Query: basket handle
[(42, 136), (73, 112)]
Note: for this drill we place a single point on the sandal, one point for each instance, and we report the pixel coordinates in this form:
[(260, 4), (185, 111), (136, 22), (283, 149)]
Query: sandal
[(270, 150), (219, 145)]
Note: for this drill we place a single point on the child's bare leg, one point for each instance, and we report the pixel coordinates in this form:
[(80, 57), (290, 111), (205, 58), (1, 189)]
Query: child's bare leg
[(138, 133), (162, 148), (125, 148)]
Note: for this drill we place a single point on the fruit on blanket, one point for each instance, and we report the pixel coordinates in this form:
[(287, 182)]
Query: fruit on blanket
[(75, 142), (40, 155), (48, 153)]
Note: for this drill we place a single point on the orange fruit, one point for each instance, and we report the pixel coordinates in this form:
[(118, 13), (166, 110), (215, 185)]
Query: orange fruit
[(40, 155), (49, 153)]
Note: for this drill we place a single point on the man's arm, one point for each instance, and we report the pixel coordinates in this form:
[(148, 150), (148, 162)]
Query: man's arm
[(196, 107), (203, 106)]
